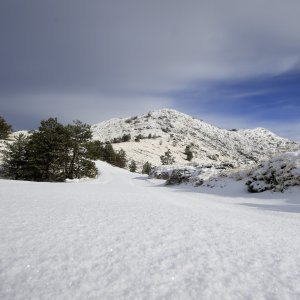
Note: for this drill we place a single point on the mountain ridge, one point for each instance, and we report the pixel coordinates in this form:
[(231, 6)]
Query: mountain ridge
[(153, 133)]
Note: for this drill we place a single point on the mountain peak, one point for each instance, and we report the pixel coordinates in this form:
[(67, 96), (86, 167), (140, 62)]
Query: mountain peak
[(153, 133)]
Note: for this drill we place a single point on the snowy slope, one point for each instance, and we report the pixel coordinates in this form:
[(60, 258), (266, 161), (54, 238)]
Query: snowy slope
[(174, 130), (123, 236), (277, 174)]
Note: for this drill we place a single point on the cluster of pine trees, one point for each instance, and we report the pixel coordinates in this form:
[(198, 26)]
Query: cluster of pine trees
[(54, 152), (97, 150)]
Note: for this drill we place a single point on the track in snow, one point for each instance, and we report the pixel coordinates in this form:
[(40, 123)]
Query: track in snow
[(124, 237)]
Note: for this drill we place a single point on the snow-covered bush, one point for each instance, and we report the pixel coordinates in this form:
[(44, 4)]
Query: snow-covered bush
[(193, 174), (168, 171), (277, 174)]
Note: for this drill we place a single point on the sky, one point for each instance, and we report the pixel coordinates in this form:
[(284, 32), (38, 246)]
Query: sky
[(234, 64)]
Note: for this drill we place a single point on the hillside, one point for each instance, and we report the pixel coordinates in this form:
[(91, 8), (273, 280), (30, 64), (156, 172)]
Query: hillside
[(169, 129)]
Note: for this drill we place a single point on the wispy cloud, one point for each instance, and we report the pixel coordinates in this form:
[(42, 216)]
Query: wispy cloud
[(120, 57)]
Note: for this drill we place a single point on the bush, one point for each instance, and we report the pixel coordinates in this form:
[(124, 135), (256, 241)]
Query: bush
[(146, 168), (126, 137)]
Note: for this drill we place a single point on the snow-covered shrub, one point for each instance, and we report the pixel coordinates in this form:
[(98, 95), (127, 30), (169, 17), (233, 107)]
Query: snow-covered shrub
[(193, 174), (277, 174), (173, 174), (179, 176)]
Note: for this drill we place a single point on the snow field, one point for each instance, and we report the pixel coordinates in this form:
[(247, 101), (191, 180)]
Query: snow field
[(122, 236)]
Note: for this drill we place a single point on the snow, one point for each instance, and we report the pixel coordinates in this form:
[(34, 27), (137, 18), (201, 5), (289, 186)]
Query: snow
[(277, 174), (175, 130), (123, 236)]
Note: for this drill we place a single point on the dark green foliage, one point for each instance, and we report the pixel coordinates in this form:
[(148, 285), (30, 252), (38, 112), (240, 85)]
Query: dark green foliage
[(132, 166), (95, 150), (121, 159), (54, 152), (109, 154), (167, 158), (126, 137), (15, 159), (79, 135), (146, 168), (47, 152), (188, 153), (87, 169), (5, 129), (123, 139)]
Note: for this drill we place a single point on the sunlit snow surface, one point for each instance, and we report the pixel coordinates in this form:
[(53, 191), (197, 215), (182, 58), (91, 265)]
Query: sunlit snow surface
[(125, 237)]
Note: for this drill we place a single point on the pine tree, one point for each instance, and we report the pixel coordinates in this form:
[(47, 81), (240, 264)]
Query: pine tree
[(5, 129), (146, 168), (167, 158), (14, 161), (121, 160), (188, 153), (109, 154), (95, 150), (132, 166), (79, 137), (48, 152)]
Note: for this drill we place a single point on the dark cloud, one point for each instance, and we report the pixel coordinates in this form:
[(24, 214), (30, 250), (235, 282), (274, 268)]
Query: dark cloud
[(70, 57)]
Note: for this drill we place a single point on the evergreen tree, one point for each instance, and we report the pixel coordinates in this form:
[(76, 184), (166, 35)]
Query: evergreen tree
[(48, 151), (5, 129), (132, 166), (109, 154), (126, 137), (14, 161), (95, 150), (188, 153), (167, 158), (146, 168), (87, 168), (121, 160), (79, 136)]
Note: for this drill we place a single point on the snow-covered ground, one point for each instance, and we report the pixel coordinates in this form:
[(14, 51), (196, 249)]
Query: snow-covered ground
[(123, 236)]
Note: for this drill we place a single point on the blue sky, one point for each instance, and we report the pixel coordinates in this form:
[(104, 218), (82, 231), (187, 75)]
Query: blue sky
[(269, 101), (235, 64)]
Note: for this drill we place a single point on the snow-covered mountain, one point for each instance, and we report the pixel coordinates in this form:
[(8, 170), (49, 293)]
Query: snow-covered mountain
[(165, 129)]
